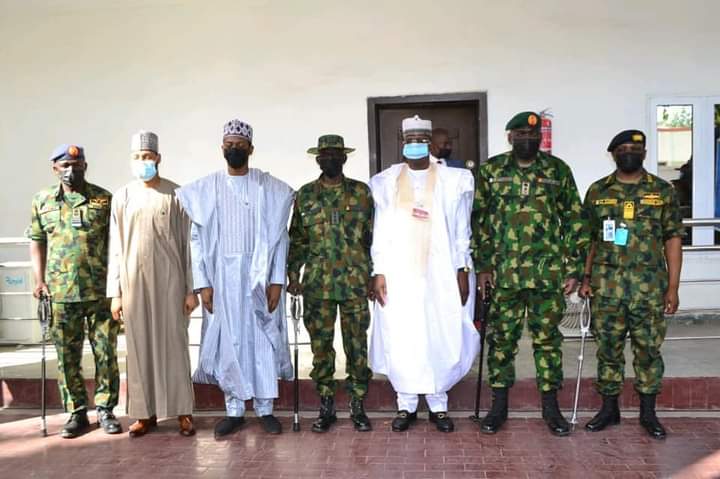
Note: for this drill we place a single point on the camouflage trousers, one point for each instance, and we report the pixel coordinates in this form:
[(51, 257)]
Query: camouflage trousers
[(612, 322), (544, 312), (319, 319), (70, 320)]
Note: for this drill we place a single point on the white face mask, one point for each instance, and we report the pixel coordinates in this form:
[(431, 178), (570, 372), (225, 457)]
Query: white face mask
[(144, 170)]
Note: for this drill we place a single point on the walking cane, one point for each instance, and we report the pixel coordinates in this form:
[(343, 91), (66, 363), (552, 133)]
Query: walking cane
[(585, 318), (481, 313), (296, 313), (45, 316)]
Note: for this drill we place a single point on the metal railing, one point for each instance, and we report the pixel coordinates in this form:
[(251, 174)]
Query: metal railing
[(701, 222)]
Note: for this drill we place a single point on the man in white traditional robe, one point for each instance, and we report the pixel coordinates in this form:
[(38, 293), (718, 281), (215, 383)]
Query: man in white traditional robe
[(150, 283), (423, 337), (239, 250)]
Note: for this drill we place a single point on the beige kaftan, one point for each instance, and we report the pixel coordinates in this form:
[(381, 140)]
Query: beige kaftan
[(150, 268)]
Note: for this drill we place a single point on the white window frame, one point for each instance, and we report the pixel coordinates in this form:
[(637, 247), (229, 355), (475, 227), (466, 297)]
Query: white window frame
[(703, 188)]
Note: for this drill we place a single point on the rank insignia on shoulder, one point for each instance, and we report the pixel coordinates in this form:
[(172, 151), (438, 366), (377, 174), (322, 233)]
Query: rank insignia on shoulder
[(98, 202)]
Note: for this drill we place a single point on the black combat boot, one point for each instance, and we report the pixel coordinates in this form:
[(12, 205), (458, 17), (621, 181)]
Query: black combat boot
[(327, 414), (609, 415), (552, 416), (108, 421), (76, 425), (358, 416), (498, 413), (648, 419)]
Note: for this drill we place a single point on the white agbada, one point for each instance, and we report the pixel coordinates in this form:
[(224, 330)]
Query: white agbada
[(239, 246), (423, 339)]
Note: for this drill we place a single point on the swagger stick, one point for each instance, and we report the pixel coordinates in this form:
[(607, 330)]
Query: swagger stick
[(481, 313), (585, 319), (45, 316), (296, 313)]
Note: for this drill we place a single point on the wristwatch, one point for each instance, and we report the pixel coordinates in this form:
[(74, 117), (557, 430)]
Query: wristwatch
[(464, 269)]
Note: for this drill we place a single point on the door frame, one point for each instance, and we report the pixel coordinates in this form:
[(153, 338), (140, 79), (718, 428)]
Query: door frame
[(376, 104)]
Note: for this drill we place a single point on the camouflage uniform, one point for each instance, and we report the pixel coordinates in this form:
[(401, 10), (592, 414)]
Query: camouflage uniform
[(528, 230), (629, 282), (74, 228), (330, 234)]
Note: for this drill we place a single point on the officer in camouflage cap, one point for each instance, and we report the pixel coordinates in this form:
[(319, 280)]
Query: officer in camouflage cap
[(330, 235), (69, 250), (633, 272), (527, 237)]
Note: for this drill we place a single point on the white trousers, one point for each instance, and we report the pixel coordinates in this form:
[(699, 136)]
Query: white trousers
[(409, 402)]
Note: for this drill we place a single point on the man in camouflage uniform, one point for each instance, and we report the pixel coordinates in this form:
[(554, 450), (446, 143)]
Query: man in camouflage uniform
[(527, 234), (330, 234), (633, 270), (69, 248)]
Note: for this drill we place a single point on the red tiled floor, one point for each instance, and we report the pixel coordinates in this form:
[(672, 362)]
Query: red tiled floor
[(523, 449)]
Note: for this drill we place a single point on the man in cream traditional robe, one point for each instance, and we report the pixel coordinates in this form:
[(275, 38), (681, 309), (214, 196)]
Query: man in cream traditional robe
[(423, 337), (150, 283), (239, 250)]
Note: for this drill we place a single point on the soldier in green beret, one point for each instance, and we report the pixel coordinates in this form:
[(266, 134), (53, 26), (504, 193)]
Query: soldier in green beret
[(69, 250), (633, 273), (330, 235), (527, 237)]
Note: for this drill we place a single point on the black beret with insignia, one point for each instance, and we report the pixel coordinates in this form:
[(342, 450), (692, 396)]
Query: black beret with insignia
[(635, 137)]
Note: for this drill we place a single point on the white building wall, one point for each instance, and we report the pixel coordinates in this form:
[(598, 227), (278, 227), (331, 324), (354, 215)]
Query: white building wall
[(95, 71)]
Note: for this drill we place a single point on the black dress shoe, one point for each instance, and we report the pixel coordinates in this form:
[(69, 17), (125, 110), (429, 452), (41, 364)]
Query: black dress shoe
[(108, 421), (228, 425), (552, 415), (358, 416), (648, 418), (271, 424), (327, 416), (442, 421), (498, 413), (609, 415), (403, 420), (76, 425)]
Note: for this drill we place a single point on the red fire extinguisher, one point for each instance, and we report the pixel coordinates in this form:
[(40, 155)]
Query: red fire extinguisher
[(546, 130)]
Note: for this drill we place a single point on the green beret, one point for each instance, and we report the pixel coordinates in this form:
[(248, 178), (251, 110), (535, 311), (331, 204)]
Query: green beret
[(526, 119), (635, 137)]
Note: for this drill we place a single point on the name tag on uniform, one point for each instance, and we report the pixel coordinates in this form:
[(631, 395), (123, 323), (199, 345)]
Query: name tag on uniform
[(652, 201), (629, 210), (621, 235), (77, 218), (420, 213), (609, 230), (525, 188)]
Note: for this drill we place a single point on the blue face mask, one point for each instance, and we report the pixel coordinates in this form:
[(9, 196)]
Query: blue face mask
[(144, 170), (416, 151)]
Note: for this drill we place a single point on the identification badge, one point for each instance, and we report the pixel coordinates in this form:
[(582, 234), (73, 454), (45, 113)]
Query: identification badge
[(420, 213), (525, 190), (335, 217), (609, 230), (621, 235), (77, 218), (629, 210)]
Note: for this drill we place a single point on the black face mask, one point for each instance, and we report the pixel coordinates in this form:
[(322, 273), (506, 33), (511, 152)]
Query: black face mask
[(72, 177), (629, 162), (444, 153), (331, 167), (526, 149), (236, 157)]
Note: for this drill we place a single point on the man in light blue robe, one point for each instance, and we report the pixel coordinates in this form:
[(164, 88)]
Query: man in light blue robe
[(239, 245)]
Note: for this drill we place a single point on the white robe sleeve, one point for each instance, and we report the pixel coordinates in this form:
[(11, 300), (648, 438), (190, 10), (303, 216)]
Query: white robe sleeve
[(200, 279), (279, 261), (463, 230), (382, 226), (114, 255)]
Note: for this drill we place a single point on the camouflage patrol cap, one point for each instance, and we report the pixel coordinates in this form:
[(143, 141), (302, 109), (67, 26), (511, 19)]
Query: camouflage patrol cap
[(635, 137), (330, 141), (526, 119), (67, 152)]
